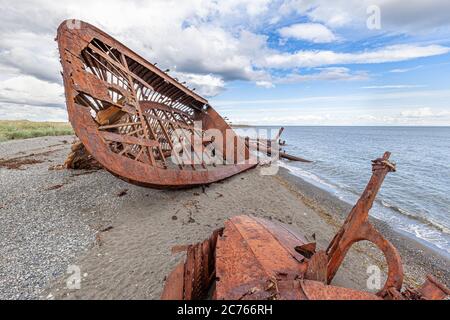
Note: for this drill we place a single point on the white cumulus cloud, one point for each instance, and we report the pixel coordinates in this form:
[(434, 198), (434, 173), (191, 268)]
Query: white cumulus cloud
[(326, 74), (207, 85), (316, 58), (31, 91), (314, 32)]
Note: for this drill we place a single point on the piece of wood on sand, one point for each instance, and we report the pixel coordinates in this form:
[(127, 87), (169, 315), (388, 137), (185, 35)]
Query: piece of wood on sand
[(268, 150), (79, 158)]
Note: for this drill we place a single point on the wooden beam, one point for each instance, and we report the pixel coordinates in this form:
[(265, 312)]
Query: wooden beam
[(111, 136)]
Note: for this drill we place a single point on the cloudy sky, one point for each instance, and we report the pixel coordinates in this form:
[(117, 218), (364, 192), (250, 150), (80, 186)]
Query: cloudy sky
[(257, 61)]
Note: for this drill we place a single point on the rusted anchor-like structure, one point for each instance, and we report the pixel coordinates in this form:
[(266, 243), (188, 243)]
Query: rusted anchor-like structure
[(253, 258), (135, 119), (357, 228)]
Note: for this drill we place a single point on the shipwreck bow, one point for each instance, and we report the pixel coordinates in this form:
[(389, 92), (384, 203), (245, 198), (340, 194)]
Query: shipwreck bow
[(138, 122)]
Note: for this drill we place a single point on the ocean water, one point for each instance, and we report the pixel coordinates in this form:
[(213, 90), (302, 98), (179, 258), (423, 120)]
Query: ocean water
[(414, 200)]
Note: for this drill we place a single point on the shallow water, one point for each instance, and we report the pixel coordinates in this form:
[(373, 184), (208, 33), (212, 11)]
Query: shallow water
[(415, 199)]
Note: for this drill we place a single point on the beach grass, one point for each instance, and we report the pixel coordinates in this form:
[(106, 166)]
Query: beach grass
[(23, 129)]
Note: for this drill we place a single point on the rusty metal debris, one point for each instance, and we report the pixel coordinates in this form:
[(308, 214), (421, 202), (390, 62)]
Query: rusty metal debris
[(130, 115), (253, 258)]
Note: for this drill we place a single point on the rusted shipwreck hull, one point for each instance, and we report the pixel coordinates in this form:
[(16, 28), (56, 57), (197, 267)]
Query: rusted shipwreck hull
[(137, 121), (253, 258)]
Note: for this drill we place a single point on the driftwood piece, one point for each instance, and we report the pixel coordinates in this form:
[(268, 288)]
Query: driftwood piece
[(284, 155), (109, 115), (262, 147)]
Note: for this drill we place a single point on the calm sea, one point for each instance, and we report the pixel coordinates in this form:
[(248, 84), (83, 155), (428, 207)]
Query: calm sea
[(415, 199)]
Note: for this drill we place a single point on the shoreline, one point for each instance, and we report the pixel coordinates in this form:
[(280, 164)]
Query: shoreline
[(415, 253), (345, 205)]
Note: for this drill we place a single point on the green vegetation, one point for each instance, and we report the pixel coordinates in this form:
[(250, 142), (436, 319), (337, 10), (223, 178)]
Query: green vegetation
[(23, 129)]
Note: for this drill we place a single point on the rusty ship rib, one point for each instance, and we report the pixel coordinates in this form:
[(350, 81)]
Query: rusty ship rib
[(253, 258), (130, 115)]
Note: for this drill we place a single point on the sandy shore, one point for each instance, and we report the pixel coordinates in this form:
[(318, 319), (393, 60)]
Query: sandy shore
[(120, 235)]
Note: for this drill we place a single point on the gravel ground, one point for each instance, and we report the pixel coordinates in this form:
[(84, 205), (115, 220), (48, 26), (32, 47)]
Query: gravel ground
[(44, 226)]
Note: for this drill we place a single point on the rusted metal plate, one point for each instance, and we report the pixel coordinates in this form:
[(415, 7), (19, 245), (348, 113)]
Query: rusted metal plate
[(267, 250), (175, 288), (315, 290), (433, 289), (317, 267), (252, 256), (192, 279), (238, 272), (136, 120), (285, 236)]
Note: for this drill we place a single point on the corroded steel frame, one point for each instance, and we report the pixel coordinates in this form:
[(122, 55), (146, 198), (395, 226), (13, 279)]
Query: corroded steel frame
[(126, 112)]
